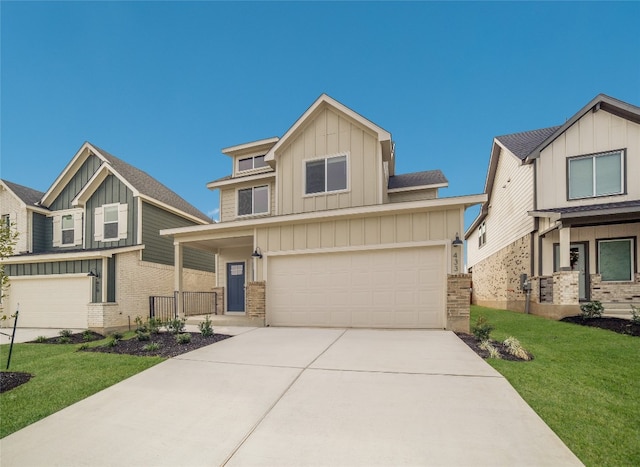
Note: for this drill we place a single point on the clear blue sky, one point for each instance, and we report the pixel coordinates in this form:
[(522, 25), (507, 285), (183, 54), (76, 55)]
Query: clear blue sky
[(166, 85)]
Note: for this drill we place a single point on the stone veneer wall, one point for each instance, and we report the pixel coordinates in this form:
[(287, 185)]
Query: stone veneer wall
[(458, 302), (615, 292), (256, 299), (496, 279)]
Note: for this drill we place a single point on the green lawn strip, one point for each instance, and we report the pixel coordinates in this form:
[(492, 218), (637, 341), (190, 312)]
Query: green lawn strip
[(584, 383), (61, 377)]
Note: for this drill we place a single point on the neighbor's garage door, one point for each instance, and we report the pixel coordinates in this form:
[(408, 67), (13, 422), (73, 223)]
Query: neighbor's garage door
[(55, 301), (391, 288)]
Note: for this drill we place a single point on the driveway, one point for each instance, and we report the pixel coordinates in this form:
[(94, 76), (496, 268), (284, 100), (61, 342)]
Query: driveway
[(297, 396)]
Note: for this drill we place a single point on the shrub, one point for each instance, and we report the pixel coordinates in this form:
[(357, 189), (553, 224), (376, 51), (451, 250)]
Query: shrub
[(87, 336), (41, 339), (151, 346), (83, 346), (184, 338), (591, 310), (482, 329), (154, 325), (515, 348), (142, 336), (111, 342), (493, 352), (140, 326), (635, 314), (206, 329), (64, 340), (66, 333), (116, 335), (176, 326)]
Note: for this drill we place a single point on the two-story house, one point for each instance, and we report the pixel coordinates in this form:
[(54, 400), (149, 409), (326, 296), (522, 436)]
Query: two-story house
[(317, 229), (564, 209), (89, 253)]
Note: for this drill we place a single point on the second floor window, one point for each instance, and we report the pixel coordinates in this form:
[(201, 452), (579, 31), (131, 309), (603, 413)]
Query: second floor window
[(6, 220), (67, 229), (482, 234), (250, 163), (253, 200), (110, 222), (325, 175), (596, 175)]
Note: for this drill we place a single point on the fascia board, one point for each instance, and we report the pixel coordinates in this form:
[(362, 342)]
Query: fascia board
[(47, 257), (237, 180), (166, 207), (418, 188), (245, 146)]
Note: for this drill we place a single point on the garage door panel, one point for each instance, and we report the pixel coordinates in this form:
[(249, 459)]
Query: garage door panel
[(401, 287)]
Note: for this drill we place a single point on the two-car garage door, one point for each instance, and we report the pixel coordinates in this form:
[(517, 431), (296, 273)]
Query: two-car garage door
[(55, 301), (385, 288)]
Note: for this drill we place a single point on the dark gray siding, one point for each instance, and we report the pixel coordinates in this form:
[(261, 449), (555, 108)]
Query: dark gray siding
[(112, 190), (159, 249), (79, 180), (42, 233)]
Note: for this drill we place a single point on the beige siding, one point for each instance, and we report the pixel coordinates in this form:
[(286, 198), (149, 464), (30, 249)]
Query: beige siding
[(233, 255), (593, 133), (329, 133), (229, 198), (509, 203), (18, 215), (417, 195)]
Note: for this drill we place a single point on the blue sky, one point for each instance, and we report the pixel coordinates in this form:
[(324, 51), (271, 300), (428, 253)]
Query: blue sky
[(166, 85)]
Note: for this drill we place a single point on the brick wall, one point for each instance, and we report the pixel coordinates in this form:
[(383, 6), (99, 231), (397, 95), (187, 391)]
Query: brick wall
[(256, 299), (566, 288), (615, 292), (458, 298)]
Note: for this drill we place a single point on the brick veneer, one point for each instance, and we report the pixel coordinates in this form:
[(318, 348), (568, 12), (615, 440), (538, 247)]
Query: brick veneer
[(566, 289), (615, 292), (256, 299), (458, 300)]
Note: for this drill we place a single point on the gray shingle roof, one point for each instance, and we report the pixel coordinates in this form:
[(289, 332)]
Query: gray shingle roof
[(427, 177), (28, 195), (523, 144), (149, 186), (594, 207)]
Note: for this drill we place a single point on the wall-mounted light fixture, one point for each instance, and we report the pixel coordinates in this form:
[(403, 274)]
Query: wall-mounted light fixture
[(93, 273), (457, 241), (257, 253)]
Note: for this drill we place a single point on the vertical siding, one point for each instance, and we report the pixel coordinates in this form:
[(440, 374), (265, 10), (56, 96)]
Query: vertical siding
[(229, 199), (79, 180), (159, 249), (329, 133), (112, 190), (42, 233), (511, 200), (593, 133)]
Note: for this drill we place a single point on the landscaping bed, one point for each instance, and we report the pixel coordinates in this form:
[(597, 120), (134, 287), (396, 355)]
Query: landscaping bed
[(474, 345), (619, 325)]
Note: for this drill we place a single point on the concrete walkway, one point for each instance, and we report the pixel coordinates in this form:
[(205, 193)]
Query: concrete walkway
[(285, 396)]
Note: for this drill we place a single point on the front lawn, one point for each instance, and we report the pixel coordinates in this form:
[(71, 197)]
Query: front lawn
[(61, 377), (584, 383)]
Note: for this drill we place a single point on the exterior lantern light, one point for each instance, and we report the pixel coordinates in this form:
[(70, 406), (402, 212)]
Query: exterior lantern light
[(257, 253), (93, 273), (457, 241)]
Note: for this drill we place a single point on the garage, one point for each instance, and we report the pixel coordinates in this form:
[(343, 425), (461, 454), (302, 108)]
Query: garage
[(55, 301), (379, 288)]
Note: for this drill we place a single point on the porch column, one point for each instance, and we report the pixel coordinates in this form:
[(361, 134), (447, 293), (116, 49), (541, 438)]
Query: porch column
[(177, 274), (105, 279), (565, 244)]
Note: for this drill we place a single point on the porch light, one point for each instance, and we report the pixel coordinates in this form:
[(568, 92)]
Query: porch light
[(257, 253), (457, 241), (93, 273)]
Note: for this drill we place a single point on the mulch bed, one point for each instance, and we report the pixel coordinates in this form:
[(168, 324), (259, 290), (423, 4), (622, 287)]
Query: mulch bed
[(11, 379), (475, 346), (619, 325)]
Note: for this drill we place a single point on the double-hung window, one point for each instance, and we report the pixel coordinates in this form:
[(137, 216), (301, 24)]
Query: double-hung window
[(254, 200), (110, 222), (482, 234), (615, 259), (250, 163), (596, 175), (67, 226), (326, 175)]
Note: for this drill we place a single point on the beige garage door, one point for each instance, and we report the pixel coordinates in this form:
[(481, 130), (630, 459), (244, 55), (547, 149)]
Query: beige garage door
[(391, 288), (56, 301)]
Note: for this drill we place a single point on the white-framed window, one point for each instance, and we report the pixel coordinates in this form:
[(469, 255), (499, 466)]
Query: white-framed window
[(250, 163), (254, 200), (482, 234), (110, 222), (326, 175), (596, 175), (615, 259), (6, 220), (67, 228)]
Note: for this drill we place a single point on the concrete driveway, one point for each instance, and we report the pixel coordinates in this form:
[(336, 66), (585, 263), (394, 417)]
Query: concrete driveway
[(292, 396)]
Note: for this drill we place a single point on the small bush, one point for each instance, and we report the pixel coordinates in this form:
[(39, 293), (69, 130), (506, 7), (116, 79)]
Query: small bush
[(116, 335), (206, 328), (482, 329), (151, 346), (493, 352), (184, 338), (41, 339), (635, 314), (87, 336), (140, 326), (64, 340), (66, 333), (591, 310), (515, 348), (154, 325), (176, 326), (111, 342), (143, 336), (83, 346)]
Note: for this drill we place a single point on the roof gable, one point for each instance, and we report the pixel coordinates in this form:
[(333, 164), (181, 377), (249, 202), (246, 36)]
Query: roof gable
[(522, 144), (28, 196)]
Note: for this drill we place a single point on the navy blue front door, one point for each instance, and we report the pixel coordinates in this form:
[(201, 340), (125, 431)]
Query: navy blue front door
[(235, 286)]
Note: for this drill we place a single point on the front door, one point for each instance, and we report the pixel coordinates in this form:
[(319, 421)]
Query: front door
[(235, 286)]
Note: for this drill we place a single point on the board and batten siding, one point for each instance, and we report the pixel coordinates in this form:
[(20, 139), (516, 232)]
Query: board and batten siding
[(229, 199), (41, 233), (330, 133), (77, 182), (593, 133), (160, 250), (510, 201), (110, 191)]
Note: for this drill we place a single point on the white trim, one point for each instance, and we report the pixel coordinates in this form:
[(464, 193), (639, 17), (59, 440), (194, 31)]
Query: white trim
[(236, 180), (418, 187), (47, 276), (96, 180), (253, 214), (346, 155), (253, 144), (67, 256), (139, 221), (104, 222), (174, 210)]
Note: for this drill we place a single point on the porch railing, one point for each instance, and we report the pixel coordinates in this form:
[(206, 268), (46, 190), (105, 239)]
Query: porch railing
[(193, 303)]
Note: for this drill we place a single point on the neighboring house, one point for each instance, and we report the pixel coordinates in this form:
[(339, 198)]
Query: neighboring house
[(563, 208), (89, 253), (317, 229)]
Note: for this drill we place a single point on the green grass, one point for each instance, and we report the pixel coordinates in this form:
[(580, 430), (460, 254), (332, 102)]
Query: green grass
[(62, 377), (584, 383)]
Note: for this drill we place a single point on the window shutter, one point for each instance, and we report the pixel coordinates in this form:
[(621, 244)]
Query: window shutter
[(98, 225), (122, 221), (77, 228), (57, 230)]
